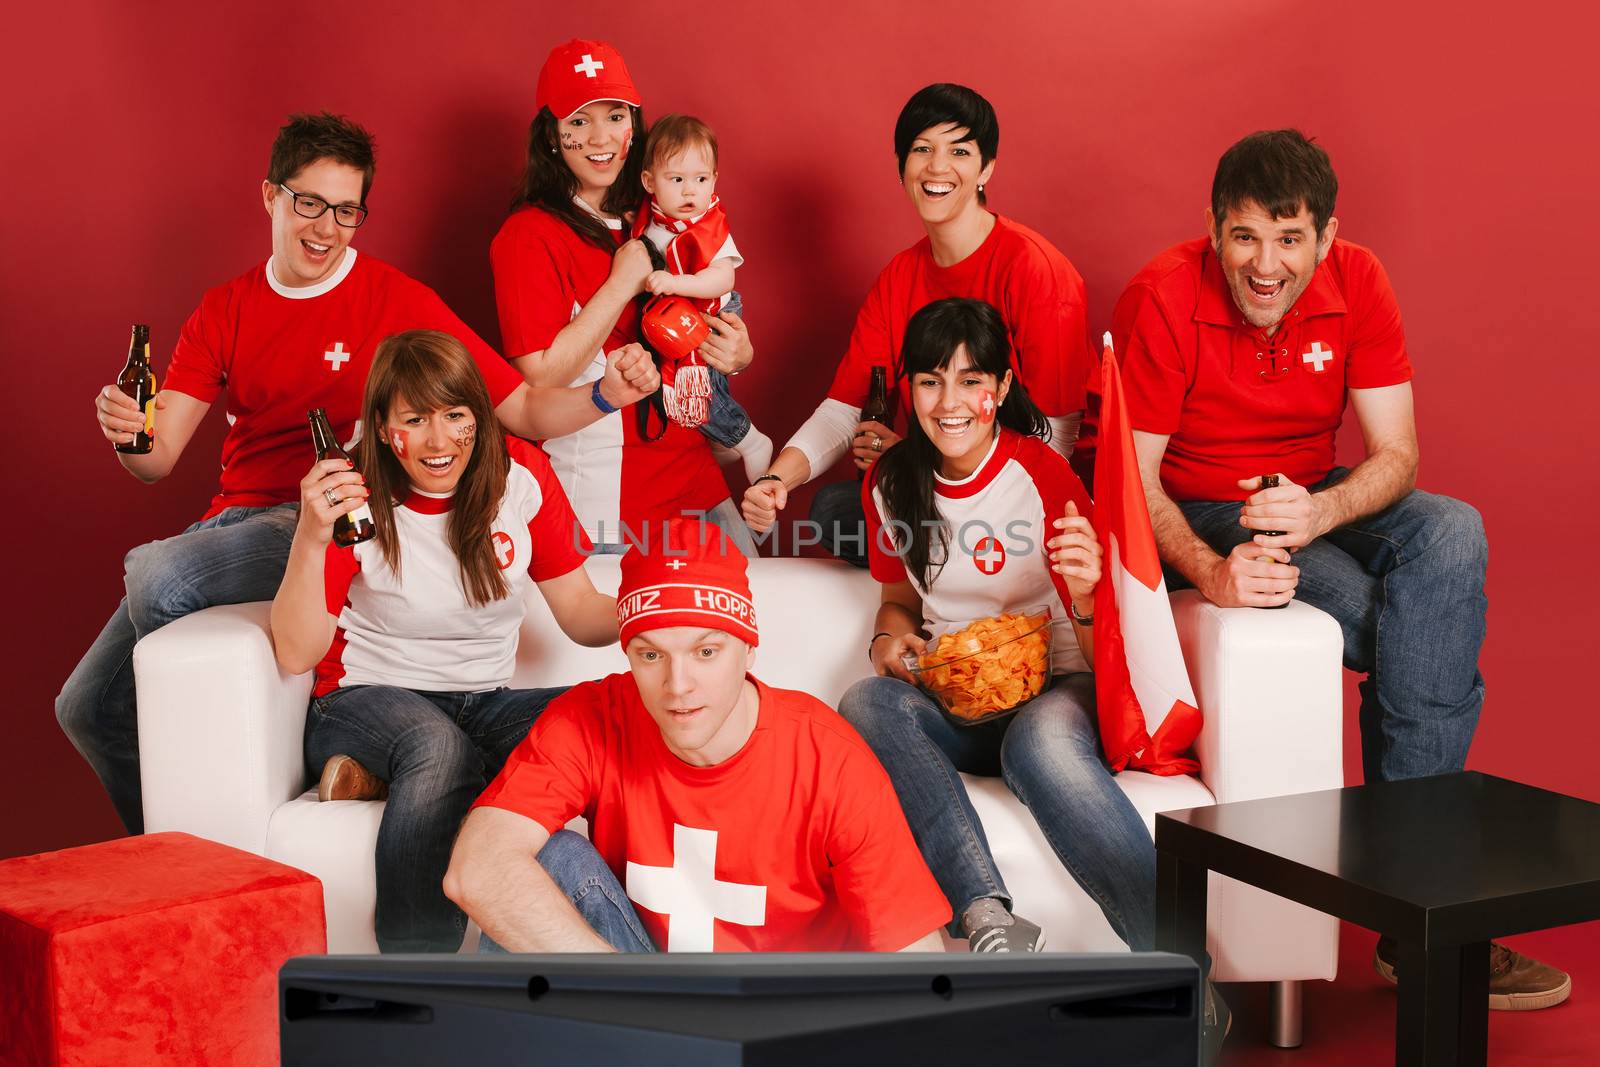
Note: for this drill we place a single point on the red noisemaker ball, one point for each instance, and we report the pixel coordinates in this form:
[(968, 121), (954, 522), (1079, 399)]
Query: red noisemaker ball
[(673, 327)]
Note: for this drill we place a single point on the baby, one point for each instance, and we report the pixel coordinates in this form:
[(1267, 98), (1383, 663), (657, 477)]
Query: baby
[(684, 221)]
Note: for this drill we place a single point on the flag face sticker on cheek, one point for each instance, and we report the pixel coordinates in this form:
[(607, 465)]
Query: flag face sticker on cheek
[(399, 438), (986, 408)]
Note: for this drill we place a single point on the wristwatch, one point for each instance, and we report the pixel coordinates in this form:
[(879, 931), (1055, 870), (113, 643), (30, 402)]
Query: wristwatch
[(600, 401), (1081, 620)]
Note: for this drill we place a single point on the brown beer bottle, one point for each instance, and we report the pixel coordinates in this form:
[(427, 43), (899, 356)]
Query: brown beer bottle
[(138, 381), (353, 527), (1270, 481), (877, 408)]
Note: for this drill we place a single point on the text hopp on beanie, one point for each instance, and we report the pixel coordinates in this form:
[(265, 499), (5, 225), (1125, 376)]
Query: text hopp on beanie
[(687, 573)]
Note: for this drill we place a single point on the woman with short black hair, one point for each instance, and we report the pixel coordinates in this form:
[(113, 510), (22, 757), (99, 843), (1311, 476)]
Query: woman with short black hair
[(946, 143)]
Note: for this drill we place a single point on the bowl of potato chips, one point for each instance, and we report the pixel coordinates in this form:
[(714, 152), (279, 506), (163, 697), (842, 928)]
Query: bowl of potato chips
[(987, 668)]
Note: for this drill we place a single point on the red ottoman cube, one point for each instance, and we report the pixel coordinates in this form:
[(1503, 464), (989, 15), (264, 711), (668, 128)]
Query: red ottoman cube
[(156, 949)]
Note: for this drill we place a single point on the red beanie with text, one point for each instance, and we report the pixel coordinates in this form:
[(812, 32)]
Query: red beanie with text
[(688, 573)]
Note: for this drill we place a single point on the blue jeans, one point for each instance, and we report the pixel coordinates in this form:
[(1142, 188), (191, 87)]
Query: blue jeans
[(725, 516), (234, 557), (836, 509), (437, 751), (1049, 755), (579, 872), (727, 422), (1406, 586)]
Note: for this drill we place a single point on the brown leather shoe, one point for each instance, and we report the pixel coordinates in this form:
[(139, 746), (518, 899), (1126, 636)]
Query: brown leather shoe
[(1516, 983), (343, 778)]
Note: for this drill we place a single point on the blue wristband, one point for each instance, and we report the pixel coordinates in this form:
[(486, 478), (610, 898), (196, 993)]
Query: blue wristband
[(600, 401)]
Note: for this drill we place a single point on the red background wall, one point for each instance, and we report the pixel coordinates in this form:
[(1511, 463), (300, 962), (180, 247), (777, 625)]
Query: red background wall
[(136, 137)]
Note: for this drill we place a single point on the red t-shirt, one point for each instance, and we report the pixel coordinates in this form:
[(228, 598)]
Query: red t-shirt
[(543, 275), (795, 843), (1234, 402), (1032, 285), (281, 351)]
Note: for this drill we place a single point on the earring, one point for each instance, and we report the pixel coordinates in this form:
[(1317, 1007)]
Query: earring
[(552, 151), (980, 188)]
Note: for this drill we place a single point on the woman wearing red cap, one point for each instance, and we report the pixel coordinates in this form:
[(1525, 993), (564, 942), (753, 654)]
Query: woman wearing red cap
[(565, 282)]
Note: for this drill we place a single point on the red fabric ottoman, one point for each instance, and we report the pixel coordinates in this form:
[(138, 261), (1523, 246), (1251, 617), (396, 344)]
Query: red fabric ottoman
[(161, 949)]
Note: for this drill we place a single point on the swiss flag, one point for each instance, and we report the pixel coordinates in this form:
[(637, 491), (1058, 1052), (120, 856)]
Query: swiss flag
[(1148, 717)]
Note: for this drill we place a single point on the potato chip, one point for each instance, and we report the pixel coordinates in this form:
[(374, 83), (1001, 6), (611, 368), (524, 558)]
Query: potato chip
[(989, 666)]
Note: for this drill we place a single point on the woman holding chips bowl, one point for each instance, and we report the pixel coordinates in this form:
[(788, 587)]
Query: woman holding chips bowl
[(981, 536)]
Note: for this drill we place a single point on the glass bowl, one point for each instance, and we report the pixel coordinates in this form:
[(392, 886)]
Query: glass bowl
[(986, 669)]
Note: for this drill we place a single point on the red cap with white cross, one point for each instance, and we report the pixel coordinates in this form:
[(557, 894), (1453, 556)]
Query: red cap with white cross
[(580, 72)]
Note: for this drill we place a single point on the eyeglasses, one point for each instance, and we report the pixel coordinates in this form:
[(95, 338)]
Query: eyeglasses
[(310, 206)]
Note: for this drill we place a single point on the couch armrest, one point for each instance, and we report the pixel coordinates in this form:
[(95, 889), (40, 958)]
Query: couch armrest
[(220, 726), (1269, 685)]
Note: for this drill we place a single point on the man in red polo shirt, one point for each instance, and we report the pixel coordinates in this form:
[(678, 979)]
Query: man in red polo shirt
[(724, 814), (1239, 351)]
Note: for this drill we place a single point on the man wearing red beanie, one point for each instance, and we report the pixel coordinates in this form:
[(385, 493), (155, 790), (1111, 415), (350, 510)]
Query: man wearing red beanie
[(723, 814)]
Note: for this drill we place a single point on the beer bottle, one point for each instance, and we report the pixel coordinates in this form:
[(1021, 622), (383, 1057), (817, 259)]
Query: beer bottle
[(1270, 481), (353, 527), (138, 381), (877, 408)]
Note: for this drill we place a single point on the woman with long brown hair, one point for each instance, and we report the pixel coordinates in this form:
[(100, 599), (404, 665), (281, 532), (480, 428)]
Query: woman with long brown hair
[(566, 279), (413, 634)]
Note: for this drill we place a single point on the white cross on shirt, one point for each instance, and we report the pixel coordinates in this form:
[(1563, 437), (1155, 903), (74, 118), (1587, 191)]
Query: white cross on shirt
[(588, 67), (1317, 356), (690, 896), (502, 549), (337, 355), (676, 564)]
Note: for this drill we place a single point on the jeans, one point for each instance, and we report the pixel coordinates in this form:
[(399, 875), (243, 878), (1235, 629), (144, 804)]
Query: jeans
[(725, 516), (579, 872), (1049, 755), (727, 422), (836, 510), (234, 557), (437, 751), (1406, 586)]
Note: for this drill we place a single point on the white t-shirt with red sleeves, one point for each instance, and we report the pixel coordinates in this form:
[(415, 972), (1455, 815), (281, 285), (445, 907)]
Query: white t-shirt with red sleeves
[(795, 843), (1233, 402), (998, 519), (281, 351), (544, 273), (417, 630), (1037, 291)]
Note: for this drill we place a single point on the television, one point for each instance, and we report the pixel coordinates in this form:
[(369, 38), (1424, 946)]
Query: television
[(752, 1010)]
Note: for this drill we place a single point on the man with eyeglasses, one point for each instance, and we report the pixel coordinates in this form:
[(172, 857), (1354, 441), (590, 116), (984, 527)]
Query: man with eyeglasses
[(293, 333), (1239, 350)]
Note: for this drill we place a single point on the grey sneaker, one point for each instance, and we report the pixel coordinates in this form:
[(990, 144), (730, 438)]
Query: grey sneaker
[(1019, 936), (1215, 1023)]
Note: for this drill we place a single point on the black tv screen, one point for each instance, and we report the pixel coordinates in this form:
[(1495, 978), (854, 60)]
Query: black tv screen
[(753, 1010)]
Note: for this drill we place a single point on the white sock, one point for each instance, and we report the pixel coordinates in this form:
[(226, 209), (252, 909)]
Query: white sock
[(755, 448)]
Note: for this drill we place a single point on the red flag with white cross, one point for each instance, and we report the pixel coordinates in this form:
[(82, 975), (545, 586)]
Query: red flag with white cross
[(1146, 706)]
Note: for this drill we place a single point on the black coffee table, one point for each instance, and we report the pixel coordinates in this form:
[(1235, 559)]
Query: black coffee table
[(1441, 864)]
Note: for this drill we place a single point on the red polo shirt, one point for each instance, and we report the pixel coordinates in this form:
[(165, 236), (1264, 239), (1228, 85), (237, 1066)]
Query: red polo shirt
[(1234, 402)]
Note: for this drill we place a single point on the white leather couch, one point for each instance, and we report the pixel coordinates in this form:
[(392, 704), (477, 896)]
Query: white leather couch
[(220, 745)]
